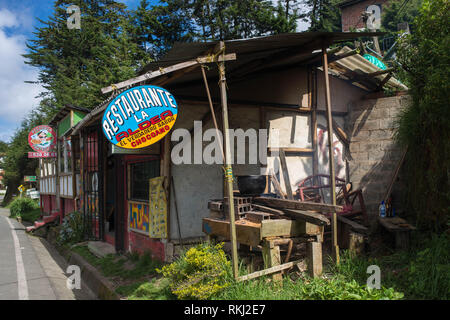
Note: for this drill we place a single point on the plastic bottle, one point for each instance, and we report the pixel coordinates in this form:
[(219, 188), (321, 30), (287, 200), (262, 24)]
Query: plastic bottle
[(382, 209)]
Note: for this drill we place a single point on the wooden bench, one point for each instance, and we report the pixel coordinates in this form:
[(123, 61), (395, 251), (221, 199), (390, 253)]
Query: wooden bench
[(400, 228)]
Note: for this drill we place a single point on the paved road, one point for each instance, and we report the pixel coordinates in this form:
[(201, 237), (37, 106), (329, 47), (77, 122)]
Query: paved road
[(30, 269)]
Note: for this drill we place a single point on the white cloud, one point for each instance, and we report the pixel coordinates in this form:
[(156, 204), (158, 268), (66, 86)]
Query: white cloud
[(16, 97)]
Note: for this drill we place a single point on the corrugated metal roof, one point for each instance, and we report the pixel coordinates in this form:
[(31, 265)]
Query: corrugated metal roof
[(261, 46), (357, 69)]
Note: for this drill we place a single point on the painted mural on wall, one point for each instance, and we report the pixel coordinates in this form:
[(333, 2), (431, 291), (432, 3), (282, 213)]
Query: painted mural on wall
[(139, 217), (139, 117), (338, 152), (158, 208)]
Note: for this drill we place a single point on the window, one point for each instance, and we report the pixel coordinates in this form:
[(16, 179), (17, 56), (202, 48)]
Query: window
[(140, 173), (65, 155)]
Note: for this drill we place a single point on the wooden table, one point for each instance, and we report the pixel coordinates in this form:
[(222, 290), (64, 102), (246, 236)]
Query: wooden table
[(270, 234), (400, 228)]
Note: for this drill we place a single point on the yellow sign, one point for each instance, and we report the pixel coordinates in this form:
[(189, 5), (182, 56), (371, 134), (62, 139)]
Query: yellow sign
[(158, 208), (21, 188)]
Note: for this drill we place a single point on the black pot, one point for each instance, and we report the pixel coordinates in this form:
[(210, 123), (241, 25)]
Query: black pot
[(253, 185)]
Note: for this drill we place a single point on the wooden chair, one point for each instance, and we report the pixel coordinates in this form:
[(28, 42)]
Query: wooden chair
[(311, 189)]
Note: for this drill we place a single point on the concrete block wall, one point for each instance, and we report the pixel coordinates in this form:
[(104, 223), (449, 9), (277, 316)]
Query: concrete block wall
[(374, 155)]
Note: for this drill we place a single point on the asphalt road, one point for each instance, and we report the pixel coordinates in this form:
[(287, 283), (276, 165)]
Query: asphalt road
[(30, 269)]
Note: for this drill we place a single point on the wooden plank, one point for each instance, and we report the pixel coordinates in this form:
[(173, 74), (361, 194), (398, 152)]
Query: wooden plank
[(287, 180), (297, 205), (156, 73), (309, 216), (268, 210), (353, 225), (287, 228), (277, 185), (246, 232), (268, 271)]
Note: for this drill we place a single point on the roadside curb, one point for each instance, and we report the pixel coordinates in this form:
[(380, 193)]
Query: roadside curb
[(97, 283)]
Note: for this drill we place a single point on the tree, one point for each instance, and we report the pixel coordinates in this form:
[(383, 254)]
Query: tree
[(324, 15), (76, 63), (425, 123), (157, 28), (398, 11)]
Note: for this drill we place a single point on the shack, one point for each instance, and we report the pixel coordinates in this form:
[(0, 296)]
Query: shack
[(275, 84), (59, 177)]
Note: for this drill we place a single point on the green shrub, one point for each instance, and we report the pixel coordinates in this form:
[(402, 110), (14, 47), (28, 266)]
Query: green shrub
[(199, 273), (21, 206), (72, 229)]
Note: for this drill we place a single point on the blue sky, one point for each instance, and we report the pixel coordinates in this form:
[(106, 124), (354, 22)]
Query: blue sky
[(17, 23)]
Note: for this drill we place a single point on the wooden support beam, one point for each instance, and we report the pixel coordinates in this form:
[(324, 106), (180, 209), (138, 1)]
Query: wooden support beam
[(161, 71), (330, 151), (297, 205), (268, 210), (353, 225), (272, 257), (314, 258)]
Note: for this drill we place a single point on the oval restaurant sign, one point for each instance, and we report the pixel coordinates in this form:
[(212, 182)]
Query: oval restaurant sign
[(139, 117), (42, 138)]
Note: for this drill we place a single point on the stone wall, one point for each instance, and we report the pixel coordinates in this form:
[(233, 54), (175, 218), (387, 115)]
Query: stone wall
[(374, 155)]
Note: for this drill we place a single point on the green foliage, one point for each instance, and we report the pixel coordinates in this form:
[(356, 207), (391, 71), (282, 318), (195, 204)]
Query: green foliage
[(121, 267), (424, 126), (200, 272), (155, 289), (76, 63), (21, 206), (156, 28), (428, 273), (324, 15), (334, 288), (72, 229), (398, 11)]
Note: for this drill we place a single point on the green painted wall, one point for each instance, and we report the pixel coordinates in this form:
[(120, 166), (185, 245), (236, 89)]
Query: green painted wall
[(77, 116), (64, 125)]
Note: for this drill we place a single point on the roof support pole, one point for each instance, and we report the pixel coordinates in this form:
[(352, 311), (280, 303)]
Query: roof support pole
[(228, 168), (335, 247)]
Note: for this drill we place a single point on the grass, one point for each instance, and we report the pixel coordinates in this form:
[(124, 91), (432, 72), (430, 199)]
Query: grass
[(133, 274), (123, 267), (423, 272)]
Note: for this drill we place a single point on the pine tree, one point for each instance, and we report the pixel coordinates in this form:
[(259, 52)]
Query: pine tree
[(159, 27), (76, 63), (324, 15)]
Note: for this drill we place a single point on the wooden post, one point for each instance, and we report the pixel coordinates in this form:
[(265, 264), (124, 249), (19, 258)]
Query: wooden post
[(330, 152), (315, 258), (313, 107), (228, 168), (272, 257)]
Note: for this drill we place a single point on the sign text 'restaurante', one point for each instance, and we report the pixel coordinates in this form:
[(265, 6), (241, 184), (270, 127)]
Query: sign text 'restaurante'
[(139, 117)]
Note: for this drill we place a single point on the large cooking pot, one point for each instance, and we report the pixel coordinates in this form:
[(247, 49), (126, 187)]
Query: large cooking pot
[(253, 185)]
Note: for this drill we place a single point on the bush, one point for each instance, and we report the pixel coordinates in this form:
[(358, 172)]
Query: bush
[(21, 206), (72, 229), (199, 273)]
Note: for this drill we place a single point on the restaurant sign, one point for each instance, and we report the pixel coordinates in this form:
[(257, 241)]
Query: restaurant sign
[(139, 117), (42, 138)]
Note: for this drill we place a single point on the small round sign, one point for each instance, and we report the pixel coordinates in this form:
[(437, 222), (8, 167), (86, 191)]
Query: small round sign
[(139, 117), (42, 138)]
